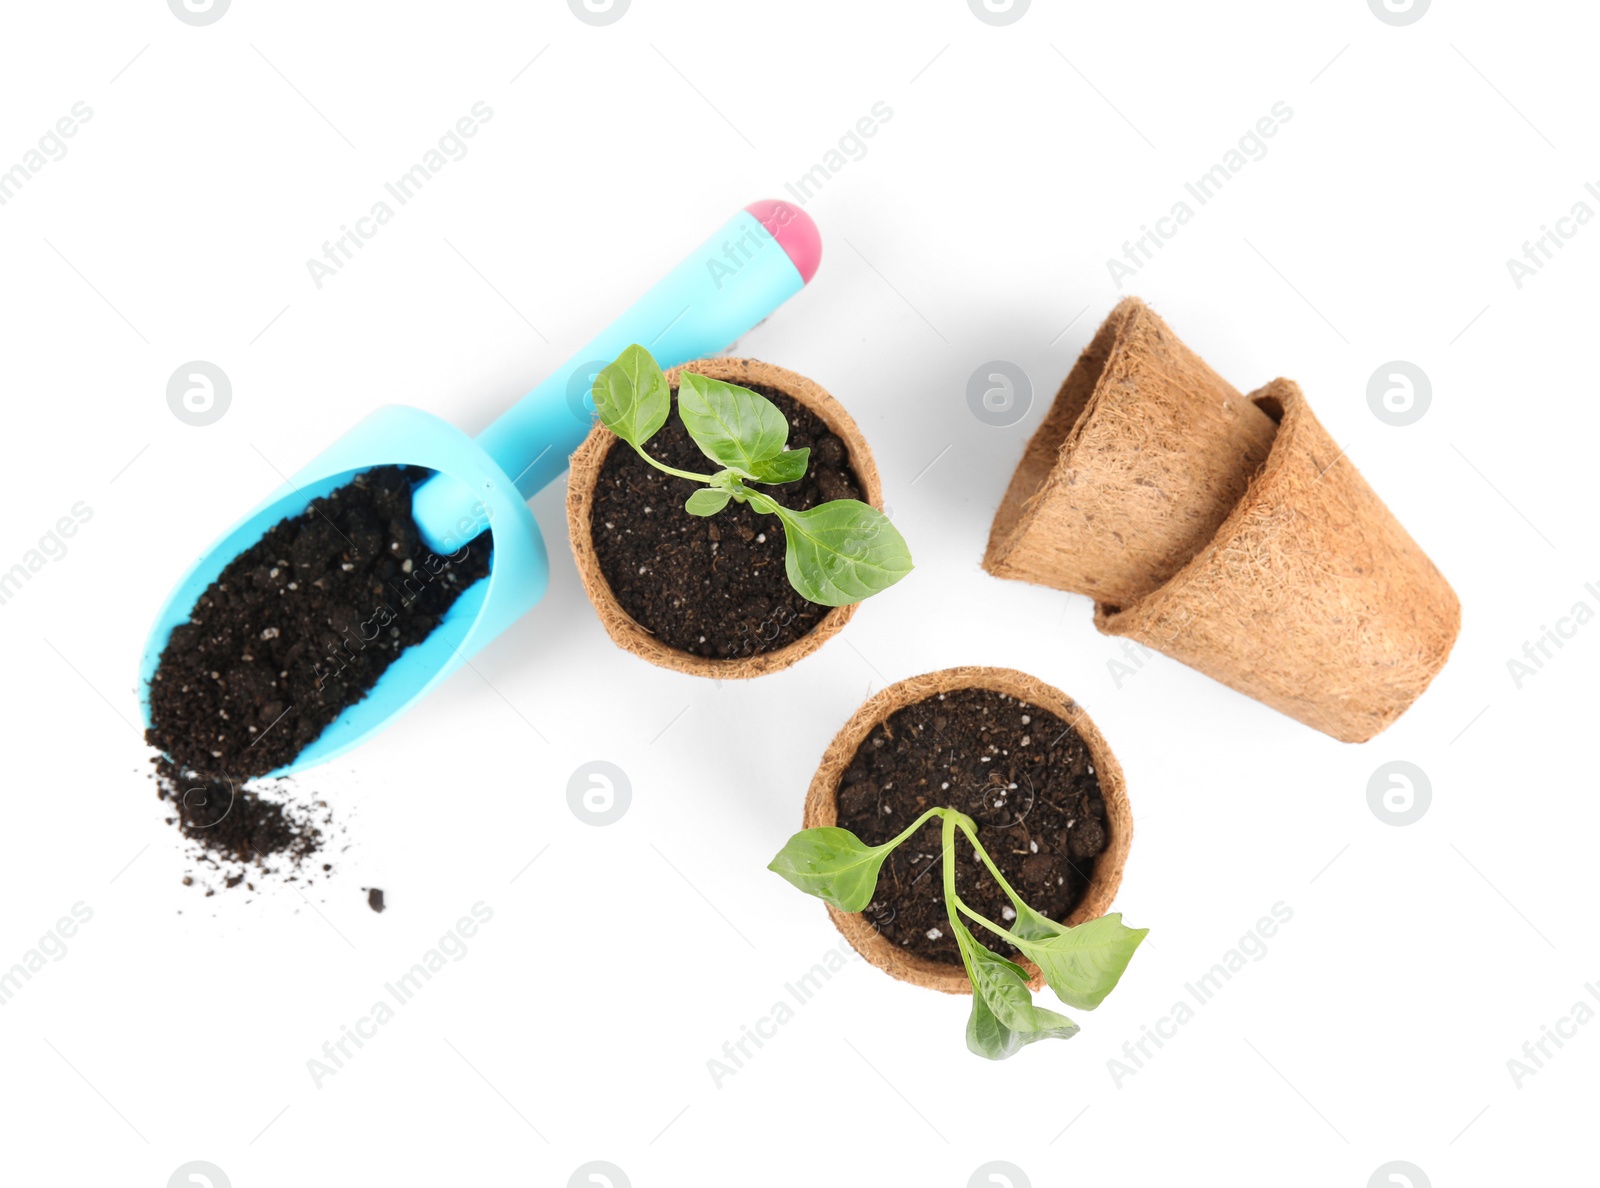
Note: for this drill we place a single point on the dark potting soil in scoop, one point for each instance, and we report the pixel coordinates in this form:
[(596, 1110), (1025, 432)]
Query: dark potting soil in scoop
[(712, 586), (300, 626), (1019, 771), (295, 629)]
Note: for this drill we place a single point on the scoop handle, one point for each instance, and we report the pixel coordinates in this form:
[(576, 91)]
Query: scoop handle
[(755, 262)]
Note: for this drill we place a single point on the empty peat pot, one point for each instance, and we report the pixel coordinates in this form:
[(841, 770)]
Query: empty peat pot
[(1018, 756), (709, 595), (1229, 532), (1133, 469)]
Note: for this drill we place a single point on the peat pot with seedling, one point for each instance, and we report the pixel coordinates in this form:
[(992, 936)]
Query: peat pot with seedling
[(968, 830), (744, 566)]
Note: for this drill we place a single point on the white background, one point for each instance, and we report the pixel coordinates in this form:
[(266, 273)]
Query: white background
[(977, 227)]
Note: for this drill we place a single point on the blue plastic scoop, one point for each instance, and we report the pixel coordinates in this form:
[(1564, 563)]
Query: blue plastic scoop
[(759, 259)]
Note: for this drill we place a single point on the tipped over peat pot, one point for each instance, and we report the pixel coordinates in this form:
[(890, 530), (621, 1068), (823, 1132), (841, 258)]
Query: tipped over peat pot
[(709, 595), (1228, 531), (1024, 761)]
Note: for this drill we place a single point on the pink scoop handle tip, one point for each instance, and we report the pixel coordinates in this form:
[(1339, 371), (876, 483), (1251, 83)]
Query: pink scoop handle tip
[(795, 232)]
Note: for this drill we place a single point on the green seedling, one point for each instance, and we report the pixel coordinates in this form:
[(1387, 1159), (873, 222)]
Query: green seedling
[(835, 554), (1081, 965)]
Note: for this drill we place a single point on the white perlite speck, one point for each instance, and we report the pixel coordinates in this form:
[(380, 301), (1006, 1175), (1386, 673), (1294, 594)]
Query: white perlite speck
[(934, 934)]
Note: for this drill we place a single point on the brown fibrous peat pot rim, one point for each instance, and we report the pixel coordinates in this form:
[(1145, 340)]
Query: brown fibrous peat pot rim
[(821, 808), (590, 457)]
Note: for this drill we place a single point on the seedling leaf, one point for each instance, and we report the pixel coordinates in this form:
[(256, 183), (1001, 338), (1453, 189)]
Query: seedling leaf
[(833, 864), (841, 552), (786, 467), (631, 396), (707, 501), (1083, 964), (733, 426), (1004, 1018), (987, 1036)]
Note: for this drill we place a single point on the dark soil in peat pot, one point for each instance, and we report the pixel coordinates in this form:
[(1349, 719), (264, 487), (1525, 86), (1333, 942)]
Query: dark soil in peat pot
[(295, 630), (712, 586), (1020, 772)]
